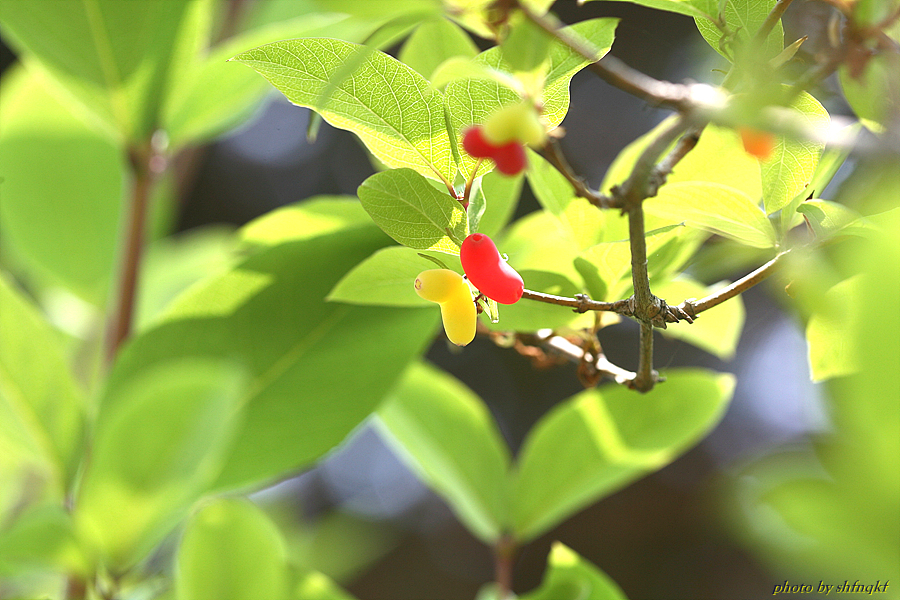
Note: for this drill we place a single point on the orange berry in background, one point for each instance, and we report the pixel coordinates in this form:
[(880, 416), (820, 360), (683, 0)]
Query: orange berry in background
[(757, 143)]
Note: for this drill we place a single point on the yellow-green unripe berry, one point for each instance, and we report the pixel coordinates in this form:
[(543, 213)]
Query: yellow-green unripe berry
[(458, 311), (516, 122)]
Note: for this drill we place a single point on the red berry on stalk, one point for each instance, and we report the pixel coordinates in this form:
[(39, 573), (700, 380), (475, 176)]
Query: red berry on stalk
[(757, 143), (510, 158), (474, 143), (487, 270)]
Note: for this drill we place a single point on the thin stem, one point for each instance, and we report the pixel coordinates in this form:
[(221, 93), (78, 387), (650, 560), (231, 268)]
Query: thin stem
[(580, 303), (144, 167), (646, 377), (771, 20), (695, 307), (469, 182), (504, 553), (552, 152)]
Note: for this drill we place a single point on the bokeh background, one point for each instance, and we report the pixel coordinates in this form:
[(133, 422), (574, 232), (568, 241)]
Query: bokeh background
[(692, 530)]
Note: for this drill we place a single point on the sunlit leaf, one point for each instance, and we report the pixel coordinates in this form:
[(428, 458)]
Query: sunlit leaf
[(434, 42), (449, 438), (743, 18), (231, 551), (599, 440), (393, 109), (571, 577), (413, 212)]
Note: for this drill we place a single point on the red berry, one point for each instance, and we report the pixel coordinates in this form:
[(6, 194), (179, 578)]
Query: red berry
[(474, 143), (510, 158), (757, 143), (487, 270)]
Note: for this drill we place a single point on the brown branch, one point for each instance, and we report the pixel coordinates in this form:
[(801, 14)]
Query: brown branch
[(552, 152), (146, 163), (504, 555), (694, 307), (580, 302), (646, 376)]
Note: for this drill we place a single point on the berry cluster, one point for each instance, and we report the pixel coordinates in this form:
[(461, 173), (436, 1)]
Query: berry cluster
[(504, 136), (486, 270)]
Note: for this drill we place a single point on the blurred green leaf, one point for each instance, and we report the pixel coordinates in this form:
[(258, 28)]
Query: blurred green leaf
[(716, 330), (540, 242), (874, 94), (173, 264), (827, 218), (385, 279), (310, 218), (449, 438), (413, 212), (610, 262), (526, 47), (570, 577), (62, 189), (313, 364), (599, 440), (743, 18), (432, 43), (718, 157), (114, 57), (790, 168), (42, 408), (161, 439), (830, 330), (393, 109), (42, 539), (231, 551), (316, 586), (715, 208)]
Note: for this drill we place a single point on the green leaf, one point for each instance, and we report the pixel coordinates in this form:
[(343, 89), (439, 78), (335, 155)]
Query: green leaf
[(691, 8), (471, 101), (873, 93), (827, 218), (570, 577), (313, 585), (610, 262), (42, 408), (304, 220), (743, 18), (62, 190), (114, 57), (599, 440), (269, 313), (790, 168), (501, 194), (552, 190), (449, 438), (42, 539), (160, 441), (716, 330), (540, 242), (231, 551), (173, 264), (830, 330), (526, 47), (716, 208), (384, 279), (413, 212), (434, 42), (393, 109)]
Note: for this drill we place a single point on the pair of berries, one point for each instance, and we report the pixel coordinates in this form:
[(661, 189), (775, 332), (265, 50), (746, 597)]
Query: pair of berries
[(486, 270), (504, 135)]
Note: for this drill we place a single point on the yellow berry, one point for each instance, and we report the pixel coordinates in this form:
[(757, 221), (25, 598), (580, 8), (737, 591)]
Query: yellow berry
[(437, 285), (515, 122), (459, 316), (458, 311)]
